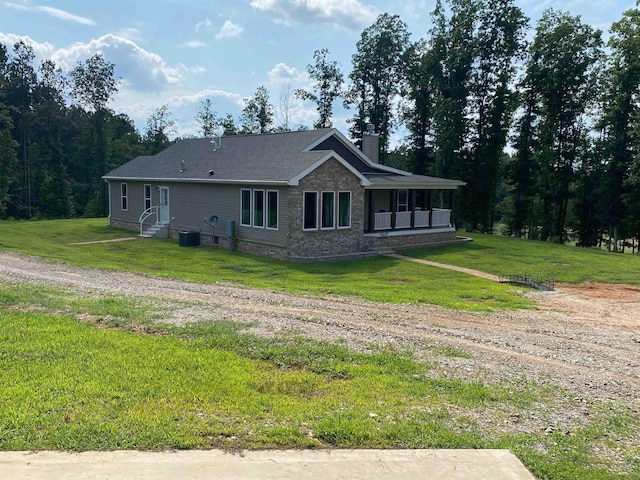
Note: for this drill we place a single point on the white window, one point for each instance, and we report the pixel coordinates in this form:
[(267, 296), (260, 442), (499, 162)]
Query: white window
[(272, 209), (403, 200), (310, 210), (147, 196), (344, 209), (328, 209), (258, 208), (245, 207), (124, 197)]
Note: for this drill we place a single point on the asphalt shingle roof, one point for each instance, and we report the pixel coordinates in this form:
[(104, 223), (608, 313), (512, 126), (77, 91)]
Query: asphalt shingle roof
[(271, 157)]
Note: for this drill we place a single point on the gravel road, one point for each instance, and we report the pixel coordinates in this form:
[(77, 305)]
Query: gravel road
[(585, 338)]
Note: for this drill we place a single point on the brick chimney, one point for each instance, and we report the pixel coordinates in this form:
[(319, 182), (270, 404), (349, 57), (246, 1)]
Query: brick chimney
[(371, 144)]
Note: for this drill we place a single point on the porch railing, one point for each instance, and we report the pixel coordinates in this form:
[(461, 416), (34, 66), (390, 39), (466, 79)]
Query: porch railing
[(440, 217), (382, 221), (421, 218), (146, 214)]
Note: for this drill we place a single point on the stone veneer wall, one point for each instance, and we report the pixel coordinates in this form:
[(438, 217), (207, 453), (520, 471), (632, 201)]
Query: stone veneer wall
[(392, 242), (335, 243), (125, 225)]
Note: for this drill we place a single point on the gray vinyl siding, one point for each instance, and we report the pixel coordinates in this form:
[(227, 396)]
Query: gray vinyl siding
[(135, 200), (191, 203), (260, 234)]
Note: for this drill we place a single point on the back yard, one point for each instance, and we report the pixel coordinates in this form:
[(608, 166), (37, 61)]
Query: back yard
[(143, 344)]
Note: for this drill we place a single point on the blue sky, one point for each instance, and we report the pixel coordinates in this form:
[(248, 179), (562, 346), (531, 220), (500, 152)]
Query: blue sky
[(178, 53)]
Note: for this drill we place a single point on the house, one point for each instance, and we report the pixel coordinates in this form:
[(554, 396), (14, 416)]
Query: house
[(306, 195)]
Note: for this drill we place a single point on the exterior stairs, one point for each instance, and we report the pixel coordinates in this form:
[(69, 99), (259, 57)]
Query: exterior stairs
[(157, 230)]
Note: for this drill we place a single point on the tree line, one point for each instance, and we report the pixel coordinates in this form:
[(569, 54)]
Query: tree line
[(545, 131)]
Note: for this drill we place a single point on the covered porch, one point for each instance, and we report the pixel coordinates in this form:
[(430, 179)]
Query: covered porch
[(404, 210)]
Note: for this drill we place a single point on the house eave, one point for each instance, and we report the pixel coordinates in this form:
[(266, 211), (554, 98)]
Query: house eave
[(415, 186), (295, 181), (197, 180), (347, 143)]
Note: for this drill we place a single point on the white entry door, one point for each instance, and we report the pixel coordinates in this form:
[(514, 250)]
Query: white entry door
[(164, 204)]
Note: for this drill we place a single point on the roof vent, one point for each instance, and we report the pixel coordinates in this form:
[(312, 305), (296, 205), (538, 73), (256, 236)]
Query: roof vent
[(216, 142), (211, 173), (183, 166)]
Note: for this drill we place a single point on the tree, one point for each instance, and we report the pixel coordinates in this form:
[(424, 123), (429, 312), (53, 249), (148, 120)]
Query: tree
[(22, 81), (377, 76), (498, 41), (521, 170), (228, 125), (419, 107), (284, 110), (94, 83), (9, 164), (160, 125), (453, 50), (257, 115), (560, 73), (326, 89), (620, 108), (207, 118)]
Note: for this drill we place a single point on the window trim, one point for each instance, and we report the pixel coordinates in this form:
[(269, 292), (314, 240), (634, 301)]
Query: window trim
[(242, 190), (124, 197), (348, 192), (333, 210), (147, 200), (304, 210), (267, 210)]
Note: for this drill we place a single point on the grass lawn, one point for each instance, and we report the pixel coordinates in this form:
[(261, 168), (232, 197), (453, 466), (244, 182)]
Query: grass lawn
[(79, 372), (512, 256), (67, 385), (379, 279)]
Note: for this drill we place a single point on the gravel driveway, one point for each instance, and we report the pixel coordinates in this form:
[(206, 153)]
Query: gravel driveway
[(584, 338)]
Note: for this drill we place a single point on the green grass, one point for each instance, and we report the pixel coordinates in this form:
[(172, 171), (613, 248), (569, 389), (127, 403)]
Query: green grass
[(79, 372), (379, 279), (511, 256), (137, 384)]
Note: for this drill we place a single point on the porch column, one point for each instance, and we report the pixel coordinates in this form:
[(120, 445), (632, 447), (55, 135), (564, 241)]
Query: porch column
[(372, 218), (412, 207), (394, 207), (451, 202)]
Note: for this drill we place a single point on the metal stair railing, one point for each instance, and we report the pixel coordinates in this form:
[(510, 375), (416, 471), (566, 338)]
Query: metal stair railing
[(146, 214), (526, 280)]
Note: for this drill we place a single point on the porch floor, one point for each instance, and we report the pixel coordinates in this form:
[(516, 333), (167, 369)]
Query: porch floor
[(417, 231)]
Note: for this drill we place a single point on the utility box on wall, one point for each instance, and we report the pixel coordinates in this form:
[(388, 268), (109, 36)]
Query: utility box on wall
[(230, 228)]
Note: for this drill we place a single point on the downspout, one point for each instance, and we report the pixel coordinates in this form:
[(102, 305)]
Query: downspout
[(109, 195)]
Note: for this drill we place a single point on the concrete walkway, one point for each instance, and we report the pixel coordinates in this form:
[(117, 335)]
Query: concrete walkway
[(125, 239), (265, 464), (469, 271)]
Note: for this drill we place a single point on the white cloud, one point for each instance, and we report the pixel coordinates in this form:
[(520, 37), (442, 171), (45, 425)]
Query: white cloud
[(191, 99), (58, 13), (64, 15), (282, 73), (347, 14), (41, 50), (206, 24), (130, 34), (16, 6), (141, 69), (229, 30), (194, 44)]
